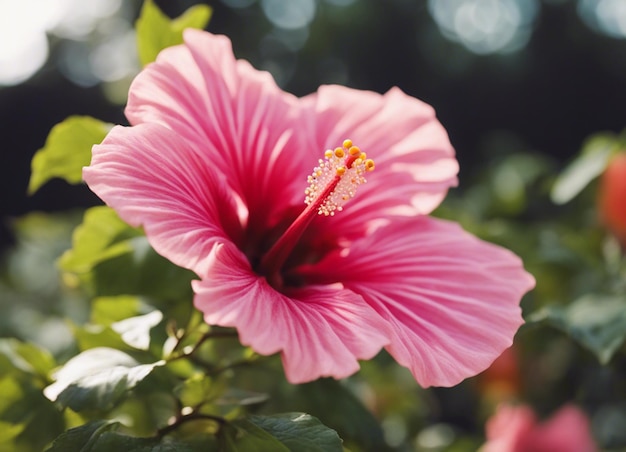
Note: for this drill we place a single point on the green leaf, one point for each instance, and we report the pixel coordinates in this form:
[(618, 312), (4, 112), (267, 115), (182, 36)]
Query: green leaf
[(112, 441), (67, 150), (156, 31), (101, 236), (244, 436), (81, 438), (23, 404), (97, 379), (94, 336), (141, 271), (112, 258), (589, 164), (598, 322), (27, 357), (135, 331), (101, 436), (196, 390), (8, 431), (341, 409), (12, 393), (108, 310), (299, 431)]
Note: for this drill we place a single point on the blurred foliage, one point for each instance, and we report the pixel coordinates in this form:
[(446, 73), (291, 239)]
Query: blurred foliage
[(76, 133), (156, 31), (103, 350)]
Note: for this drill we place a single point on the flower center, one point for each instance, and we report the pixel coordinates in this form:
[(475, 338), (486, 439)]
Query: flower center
[(331, 184)]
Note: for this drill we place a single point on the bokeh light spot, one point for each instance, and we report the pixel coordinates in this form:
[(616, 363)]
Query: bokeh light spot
[(485, 26), (289, 14), (604, 16)]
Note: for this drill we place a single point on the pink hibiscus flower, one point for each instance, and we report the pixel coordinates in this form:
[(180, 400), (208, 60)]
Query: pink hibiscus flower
[(215, 169), (515, 429)]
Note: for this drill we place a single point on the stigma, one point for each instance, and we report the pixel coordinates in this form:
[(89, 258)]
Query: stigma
[(335, 180)]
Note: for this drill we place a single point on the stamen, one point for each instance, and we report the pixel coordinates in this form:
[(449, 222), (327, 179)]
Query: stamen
[(350, 171), (331, 184)]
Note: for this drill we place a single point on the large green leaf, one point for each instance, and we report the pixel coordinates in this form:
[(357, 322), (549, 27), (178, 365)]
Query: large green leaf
[(588, 165), (97, 379), (299, 431), (156, 31), (598, 322), (67, 150)]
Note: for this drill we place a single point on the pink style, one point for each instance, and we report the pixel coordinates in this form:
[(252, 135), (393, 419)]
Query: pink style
[(216, 168), (516, 429)]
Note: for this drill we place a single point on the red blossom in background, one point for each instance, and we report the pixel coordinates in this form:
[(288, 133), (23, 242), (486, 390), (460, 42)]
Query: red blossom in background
[(612, 197), (515, 429), (214, 168)]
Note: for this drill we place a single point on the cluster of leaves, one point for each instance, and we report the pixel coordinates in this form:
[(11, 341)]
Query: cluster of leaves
[(145, 372)]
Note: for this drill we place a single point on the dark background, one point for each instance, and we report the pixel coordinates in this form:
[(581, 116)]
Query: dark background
[(565, 84)]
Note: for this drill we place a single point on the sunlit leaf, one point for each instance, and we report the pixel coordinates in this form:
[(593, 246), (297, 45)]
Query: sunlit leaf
[(598, 322), (299, 431), (135, 331), (27, 357), (97, 379), (67, 150), (589, 164), (156, 31)]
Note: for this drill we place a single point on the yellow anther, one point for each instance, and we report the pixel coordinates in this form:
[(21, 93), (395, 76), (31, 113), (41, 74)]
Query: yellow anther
[(354, 150), (335, 180)]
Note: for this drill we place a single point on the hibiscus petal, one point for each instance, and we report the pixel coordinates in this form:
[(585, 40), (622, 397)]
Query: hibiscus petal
[(452, 299), (415, 163), (237, 115), (154, 179), (321, 331)]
